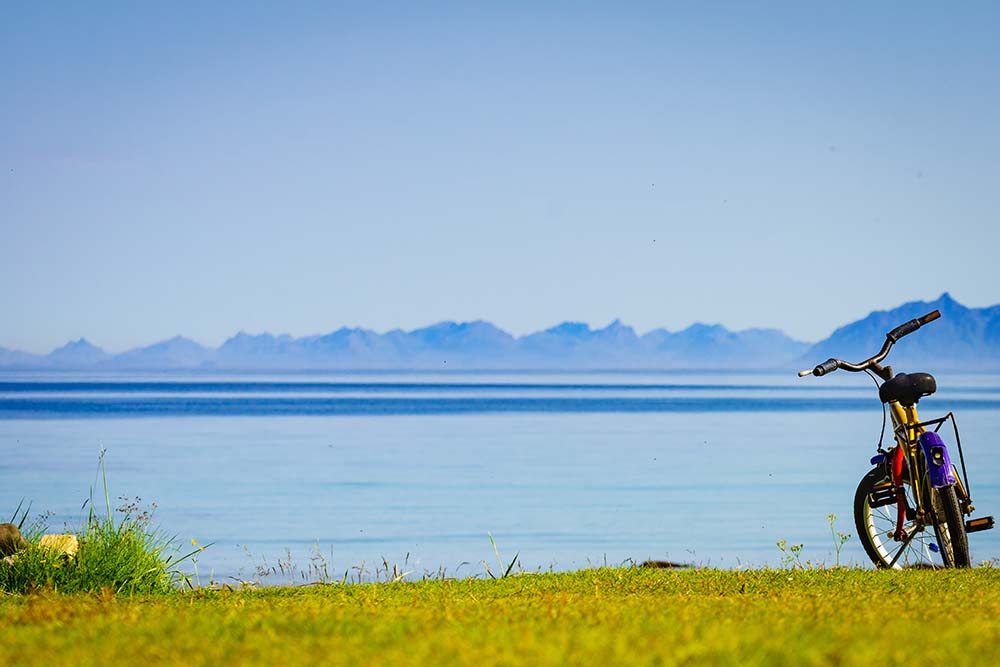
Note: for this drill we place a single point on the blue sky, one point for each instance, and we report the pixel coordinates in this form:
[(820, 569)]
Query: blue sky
[(183, 169)]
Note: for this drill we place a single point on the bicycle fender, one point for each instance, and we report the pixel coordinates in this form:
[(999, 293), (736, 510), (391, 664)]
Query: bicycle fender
[(939, 468)]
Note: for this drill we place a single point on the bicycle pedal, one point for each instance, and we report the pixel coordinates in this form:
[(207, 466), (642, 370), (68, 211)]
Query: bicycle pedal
[(976, 525), (882, 497)]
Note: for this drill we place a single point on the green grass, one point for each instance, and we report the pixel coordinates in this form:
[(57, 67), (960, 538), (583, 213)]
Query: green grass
[(119, 551), (125, 556), (607, 616)]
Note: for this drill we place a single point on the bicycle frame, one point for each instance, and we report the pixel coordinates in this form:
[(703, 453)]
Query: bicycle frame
[(908, 429)]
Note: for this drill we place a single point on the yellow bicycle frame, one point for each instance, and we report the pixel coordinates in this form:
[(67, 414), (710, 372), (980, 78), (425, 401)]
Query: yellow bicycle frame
[(907, 430)]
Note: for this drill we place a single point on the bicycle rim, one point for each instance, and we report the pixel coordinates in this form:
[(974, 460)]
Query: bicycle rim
[(941, 531), (920, 550)]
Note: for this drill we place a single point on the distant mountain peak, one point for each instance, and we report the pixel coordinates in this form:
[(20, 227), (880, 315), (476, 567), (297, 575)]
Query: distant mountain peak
[(77, 353), (176, 352), (700, 327), (176, 341), (946, 304), (617, 325), (78, 344), (567, 329), (616, 330)]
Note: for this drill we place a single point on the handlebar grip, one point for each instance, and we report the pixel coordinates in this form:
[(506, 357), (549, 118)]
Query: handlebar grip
[(929, 317), (828, 366), (912, 325), (903, 330)]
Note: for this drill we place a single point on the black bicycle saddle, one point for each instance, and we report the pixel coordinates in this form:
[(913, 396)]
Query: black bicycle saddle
[(907, 388)]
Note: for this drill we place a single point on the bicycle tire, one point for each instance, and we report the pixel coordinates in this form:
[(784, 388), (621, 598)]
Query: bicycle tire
[(875, 526), (958, 553)]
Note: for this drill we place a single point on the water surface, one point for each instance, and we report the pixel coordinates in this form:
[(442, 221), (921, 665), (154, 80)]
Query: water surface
[(568, 470)]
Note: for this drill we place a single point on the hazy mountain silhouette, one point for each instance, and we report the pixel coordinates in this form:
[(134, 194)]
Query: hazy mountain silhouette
[(79, 353), (573, 343), (15, 358), (964, 338), (177, 352), (715, 346)]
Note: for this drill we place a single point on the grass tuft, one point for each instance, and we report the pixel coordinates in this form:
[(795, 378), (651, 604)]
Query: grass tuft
[(123, 554)]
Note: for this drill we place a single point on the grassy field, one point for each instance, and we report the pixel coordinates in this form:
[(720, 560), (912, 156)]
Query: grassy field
[(608, 616)]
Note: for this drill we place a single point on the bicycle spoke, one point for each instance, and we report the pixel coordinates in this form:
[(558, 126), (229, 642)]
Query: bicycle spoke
[(902, 548), (915, 551)]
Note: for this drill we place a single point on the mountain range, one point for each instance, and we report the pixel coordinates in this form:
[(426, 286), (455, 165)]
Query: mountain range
[(964, 338)]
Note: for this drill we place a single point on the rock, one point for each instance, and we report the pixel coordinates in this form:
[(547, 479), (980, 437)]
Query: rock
[(663, 564), (63, 545), (11, 540)]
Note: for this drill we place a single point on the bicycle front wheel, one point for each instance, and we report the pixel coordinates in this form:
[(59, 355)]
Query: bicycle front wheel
[(875, 519)]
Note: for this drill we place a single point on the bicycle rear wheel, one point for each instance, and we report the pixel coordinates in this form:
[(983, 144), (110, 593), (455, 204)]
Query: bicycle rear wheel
[(949, 527), (875, 519)]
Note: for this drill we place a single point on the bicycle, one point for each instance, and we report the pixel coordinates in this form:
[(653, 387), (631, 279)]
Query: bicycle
[(916, 476)]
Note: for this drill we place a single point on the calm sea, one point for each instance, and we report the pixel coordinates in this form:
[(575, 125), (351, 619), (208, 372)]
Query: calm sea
[(566, 470)]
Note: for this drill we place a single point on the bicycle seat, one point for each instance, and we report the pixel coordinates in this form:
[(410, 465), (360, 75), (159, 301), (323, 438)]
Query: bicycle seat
[(907, 388)]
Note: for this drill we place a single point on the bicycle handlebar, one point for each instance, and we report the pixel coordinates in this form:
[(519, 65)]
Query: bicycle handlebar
[(912, 325), (891, 338)]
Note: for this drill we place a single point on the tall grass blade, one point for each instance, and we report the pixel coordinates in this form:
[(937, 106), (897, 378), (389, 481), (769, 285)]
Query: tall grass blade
[(511, 566), (24, 516), (104, 475), (18, 509), (495, 550)]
